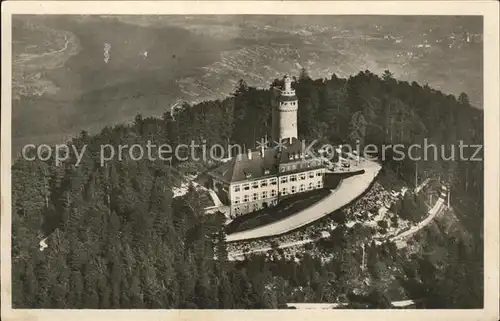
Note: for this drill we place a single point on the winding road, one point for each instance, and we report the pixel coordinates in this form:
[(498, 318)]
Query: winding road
[(398, 239), (435, 210)]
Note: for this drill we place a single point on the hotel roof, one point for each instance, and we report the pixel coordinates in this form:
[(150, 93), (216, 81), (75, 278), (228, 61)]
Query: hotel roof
[(243, 168)]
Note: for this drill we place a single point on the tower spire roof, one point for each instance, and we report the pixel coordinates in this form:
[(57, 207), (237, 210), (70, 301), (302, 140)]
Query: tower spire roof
[(287, 88)]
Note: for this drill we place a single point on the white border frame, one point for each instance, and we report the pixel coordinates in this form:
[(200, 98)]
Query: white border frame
[(488, 9)]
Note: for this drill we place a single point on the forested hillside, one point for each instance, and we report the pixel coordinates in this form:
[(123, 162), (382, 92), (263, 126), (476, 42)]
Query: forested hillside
[(118, 238)]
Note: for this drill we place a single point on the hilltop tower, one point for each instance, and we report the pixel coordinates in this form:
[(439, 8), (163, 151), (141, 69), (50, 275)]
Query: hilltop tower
[(285, 115)]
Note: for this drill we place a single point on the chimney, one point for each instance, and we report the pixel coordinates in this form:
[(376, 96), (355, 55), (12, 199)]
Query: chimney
[(249, 154), (262, 150)]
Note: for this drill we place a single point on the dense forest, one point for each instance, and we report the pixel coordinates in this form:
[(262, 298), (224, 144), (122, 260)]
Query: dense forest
[(118, 238)]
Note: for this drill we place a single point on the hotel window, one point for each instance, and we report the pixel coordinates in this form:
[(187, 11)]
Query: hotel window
[(236, 188), (246, 186), (255, 196), (293, 178), (264, 194), (302, 187), (273, 181), (273, 193), (255, 184), (237, 200), (284, 191), (310, 186), (319, 173), (263, 183), (302, 176), (311, 174), (284, 179), (320, 184), (294, 189), (245, 198)]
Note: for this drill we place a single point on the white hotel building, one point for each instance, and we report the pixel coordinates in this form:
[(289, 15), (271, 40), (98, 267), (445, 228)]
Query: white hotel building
[(259, 178)]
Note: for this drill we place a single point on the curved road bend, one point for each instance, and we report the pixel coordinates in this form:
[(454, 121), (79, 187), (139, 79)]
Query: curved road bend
[(436, 209)]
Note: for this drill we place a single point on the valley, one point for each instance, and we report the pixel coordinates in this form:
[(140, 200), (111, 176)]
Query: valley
[(62, 85)]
